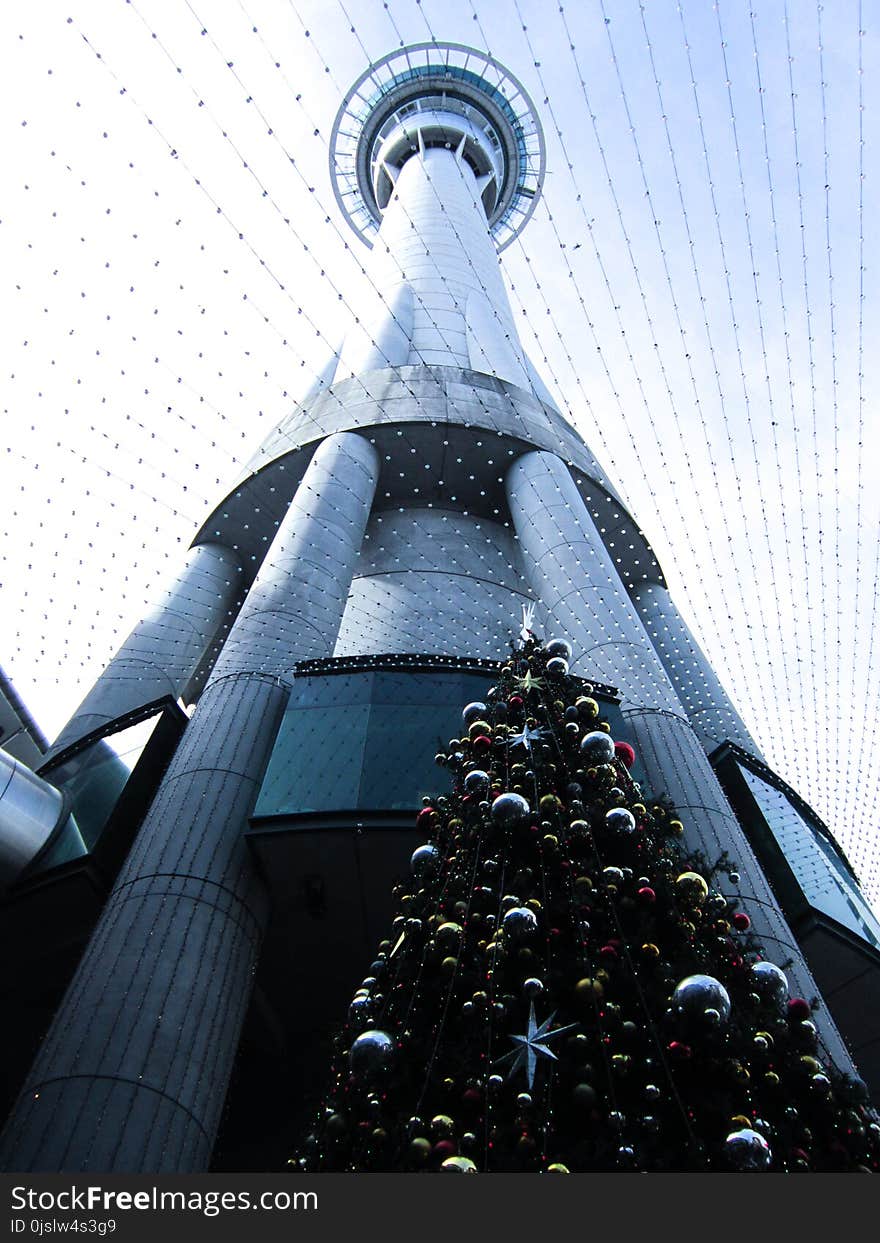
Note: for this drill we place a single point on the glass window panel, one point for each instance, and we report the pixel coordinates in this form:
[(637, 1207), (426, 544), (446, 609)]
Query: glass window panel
[(825, 881), (399, 763), (317, 760)]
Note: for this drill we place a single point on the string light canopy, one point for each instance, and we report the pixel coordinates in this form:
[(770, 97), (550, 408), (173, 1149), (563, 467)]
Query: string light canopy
[(695, 287)]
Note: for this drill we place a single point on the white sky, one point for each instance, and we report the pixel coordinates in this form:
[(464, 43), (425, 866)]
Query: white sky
[(174, 271)]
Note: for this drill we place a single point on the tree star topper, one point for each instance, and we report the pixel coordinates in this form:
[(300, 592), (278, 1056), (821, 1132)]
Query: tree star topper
[(533, 1045)]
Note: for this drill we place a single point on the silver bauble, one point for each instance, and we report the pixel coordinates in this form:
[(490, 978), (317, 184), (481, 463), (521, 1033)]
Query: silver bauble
[(597, 747), (519, 922), (473, 712), (696, 994), (558, 647), (510, 809), (557, 666), (620, 820), (476, 783), (770, 981), (371, 1054), (360, 1011), (747, 1150), (424, 860)]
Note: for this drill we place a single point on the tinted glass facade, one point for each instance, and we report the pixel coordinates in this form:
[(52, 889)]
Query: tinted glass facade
[(367, 740), (826, 883)]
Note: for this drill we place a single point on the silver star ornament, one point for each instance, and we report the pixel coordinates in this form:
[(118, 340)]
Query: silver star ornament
[(533, 1045)]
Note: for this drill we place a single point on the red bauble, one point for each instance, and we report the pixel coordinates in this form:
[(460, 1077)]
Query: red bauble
[(741, 921), (798, 1009), (481, 744), (625, 754), (647, 896), (679, 1051), (443, 1148), (425, 817), (515, 701)]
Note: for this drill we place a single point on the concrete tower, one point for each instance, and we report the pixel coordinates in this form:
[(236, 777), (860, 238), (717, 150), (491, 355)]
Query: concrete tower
[(376, 554)]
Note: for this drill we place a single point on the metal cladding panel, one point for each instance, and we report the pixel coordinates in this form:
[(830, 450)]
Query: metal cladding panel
[(447, 395), (435, 581)]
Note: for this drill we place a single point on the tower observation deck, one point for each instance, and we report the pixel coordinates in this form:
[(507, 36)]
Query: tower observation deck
[(374, 555)]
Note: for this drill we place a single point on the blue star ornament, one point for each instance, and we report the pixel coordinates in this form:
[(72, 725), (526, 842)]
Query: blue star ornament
[(533, 1045)]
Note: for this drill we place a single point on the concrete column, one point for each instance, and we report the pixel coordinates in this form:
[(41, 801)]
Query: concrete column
[(163, 651), (572, 572), (707, 704), (441, 297), (133, 1073)]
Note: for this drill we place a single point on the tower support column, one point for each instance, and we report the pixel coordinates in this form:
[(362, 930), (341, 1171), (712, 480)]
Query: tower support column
[(708, 706), (571, 571), (134, 1071), (163, 651)]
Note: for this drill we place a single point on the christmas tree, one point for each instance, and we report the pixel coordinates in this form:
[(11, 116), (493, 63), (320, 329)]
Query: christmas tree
[(564, 989)]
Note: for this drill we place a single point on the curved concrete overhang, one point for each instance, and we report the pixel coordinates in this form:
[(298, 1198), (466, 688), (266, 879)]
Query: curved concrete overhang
[(445, 438)]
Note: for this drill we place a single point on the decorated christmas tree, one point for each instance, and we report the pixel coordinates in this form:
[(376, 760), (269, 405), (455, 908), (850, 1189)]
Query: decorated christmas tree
[(563, 989)]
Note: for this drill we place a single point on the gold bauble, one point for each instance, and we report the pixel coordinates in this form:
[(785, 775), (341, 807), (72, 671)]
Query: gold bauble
[(558, 1168), (458, 1165), (587, 988), (690, 887)]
